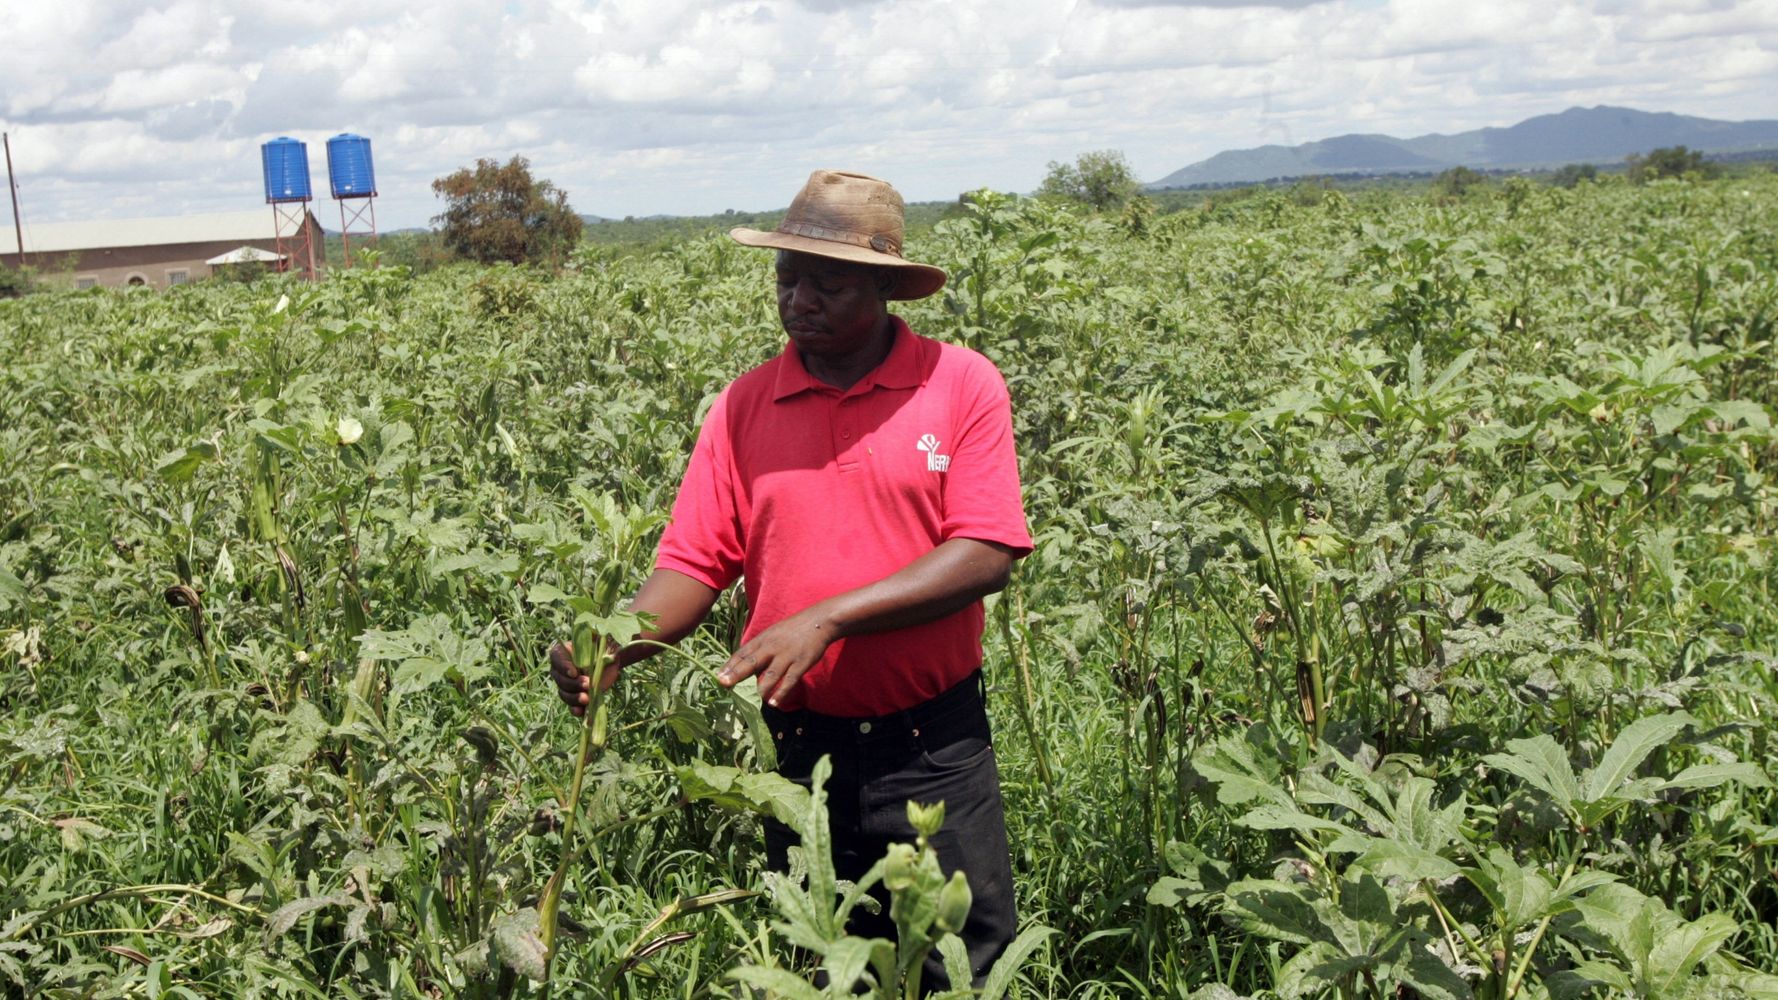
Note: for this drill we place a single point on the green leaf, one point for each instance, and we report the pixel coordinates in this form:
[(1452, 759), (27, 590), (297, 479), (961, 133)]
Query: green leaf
[(619, 625), (1000, 977), (845, 962), (1314, 788), (689, 724), (295, 740), (763, 792), (801, 923), (1171, 891), (779, 981), (1525, 894), (817, 844), (1683, 946), (1217, 991), (1395, 859), (1240, 774), (710, 900), (1610, 911), (1274, 817), (1196, 877), (1627, 752), (1660, 548), (429, 650), (1668, 418), (1747, 411), (1364, 899), (1430, 976), (1308, 972), (1541, 761), (76, 832), (956, 958), (1581, 882), (180, 466), (1586, 974), (518, 943), (1457, 367), (1711, 775), (11, 588), (1273, 909), (482, 561), (420, 672), (285, 917), (544, 593)]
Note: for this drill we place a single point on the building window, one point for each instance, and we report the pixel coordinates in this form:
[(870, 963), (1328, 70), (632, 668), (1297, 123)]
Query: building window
[(178, 277), (86, 281), (136, 280)]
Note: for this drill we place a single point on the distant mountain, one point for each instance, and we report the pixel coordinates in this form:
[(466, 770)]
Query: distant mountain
[(1578, 135)]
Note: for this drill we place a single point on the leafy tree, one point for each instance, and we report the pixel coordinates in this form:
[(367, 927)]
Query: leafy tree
[(1517, 193), (1102, 179), (1138, 214), (1671, 161), (1457, 181), (496, 212), (15, 281), (1573, 174)]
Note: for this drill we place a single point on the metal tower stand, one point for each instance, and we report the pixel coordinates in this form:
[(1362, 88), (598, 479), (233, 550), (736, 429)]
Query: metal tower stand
[(296, 241), (353, 223)]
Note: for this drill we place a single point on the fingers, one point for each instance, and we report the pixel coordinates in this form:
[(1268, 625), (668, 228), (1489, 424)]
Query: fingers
[(778, 679), (777, 673), (779, 657), (571, 684), (744, 664), (561, 659)]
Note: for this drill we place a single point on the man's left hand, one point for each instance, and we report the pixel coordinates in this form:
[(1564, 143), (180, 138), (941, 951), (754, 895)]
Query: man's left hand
[(780, 655)]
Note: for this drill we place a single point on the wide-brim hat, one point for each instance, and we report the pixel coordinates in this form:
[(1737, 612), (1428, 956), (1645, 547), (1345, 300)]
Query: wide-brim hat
[(849, 217)]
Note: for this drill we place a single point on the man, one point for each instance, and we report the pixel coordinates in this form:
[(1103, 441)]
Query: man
[(864, 485)]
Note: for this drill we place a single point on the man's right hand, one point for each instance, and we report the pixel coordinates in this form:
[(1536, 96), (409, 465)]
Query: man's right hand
[(573, 685)]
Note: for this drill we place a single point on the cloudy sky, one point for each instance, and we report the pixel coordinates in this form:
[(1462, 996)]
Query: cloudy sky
[(124, 108)]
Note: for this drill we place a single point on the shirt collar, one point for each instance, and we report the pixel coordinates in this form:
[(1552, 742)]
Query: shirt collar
[(900, 370)]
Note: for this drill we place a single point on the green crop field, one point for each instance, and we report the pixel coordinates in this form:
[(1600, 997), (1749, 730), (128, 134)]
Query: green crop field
[(1401, 622)]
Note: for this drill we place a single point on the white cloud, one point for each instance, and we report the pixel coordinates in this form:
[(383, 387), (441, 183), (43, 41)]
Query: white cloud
[(643, 106)]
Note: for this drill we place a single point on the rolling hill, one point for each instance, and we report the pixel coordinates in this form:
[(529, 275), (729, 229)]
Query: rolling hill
[(1601, 134)]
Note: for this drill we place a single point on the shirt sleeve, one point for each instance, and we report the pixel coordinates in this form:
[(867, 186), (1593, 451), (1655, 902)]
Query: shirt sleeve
[(982, 499), (704, 539)]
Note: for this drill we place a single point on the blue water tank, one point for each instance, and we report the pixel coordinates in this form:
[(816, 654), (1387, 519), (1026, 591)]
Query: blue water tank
[(286, 170), (348, 166)]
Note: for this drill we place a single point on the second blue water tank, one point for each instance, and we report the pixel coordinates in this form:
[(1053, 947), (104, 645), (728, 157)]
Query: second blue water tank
[(348, 166)]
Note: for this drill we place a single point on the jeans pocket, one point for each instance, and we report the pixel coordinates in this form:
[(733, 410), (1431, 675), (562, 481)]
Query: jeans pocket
[(957, 743), (956, 755)]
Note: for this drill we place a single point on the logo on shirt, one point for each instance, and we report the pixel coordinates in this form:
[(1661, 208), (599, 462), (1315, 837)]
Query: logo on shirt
[(935, 462)]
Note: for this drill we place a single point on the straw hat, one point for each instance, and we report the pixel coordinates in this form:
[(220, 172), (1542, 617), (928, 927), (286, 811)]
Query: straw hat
[(849, 217)]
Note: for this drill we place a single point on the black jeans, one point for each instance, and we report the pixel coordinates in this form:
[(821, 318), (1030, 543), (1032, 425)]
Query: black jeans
[(939, 751)]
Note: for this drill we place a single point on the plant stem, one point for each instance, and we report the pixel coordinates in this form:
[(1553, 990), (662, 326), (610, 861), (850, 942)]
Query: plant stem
[(1027, 690), (1513, 984), (592, 739), (134, 890)]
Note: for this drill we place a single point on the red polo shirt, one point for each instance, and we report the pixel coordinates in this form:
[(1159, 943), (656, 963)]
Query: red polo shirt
[(808, 491)]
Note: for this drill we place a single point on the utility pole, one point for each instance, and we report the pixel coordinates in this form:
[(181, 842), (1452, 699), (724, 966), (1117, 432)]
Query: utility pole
[(12, 186)]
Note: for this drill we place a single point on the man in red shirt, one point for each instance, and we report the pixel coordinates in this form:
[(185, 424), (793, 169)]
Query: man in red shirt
[(864, 485)]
